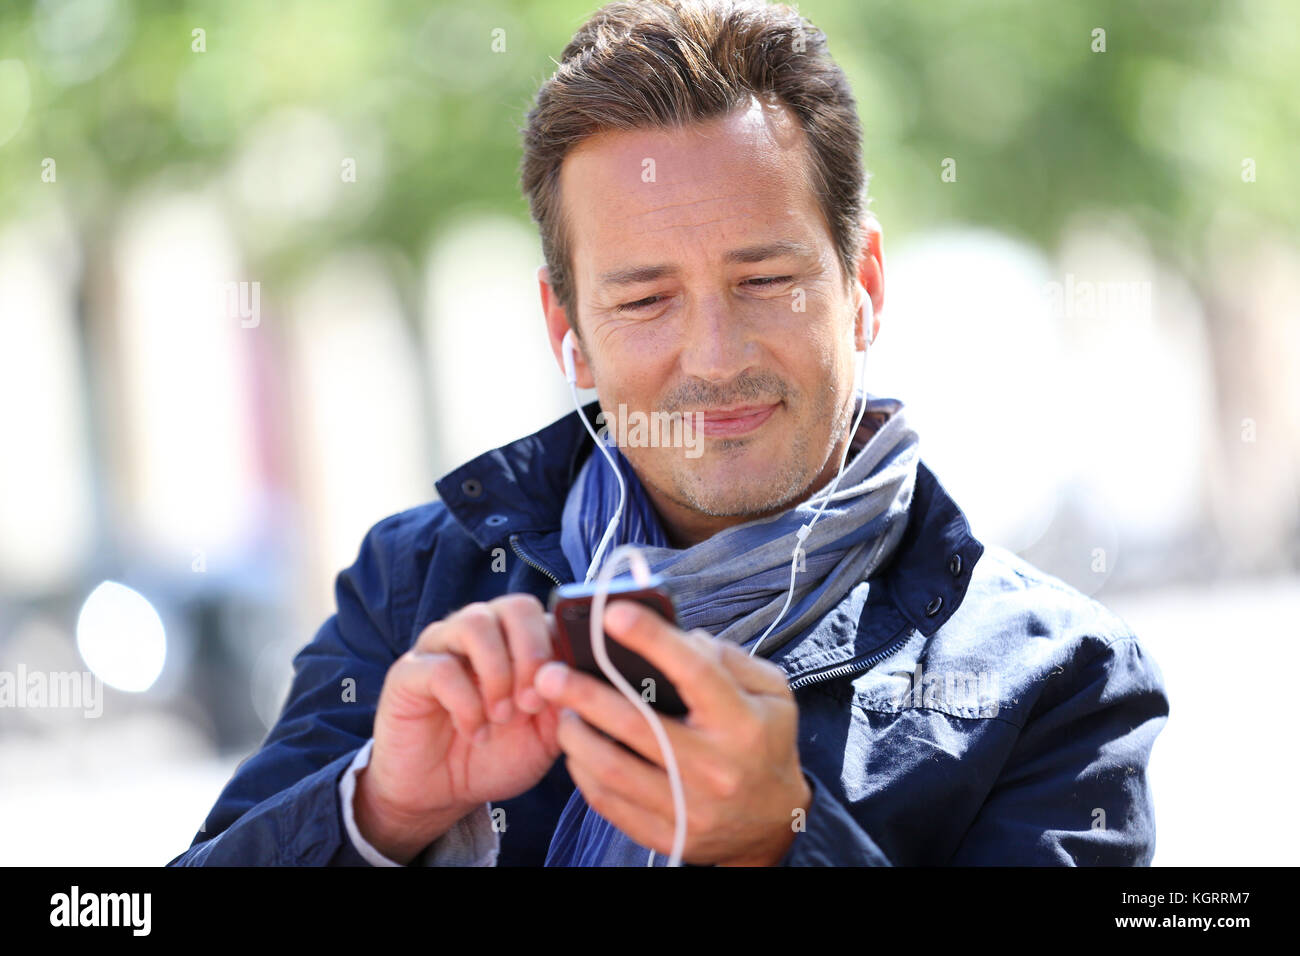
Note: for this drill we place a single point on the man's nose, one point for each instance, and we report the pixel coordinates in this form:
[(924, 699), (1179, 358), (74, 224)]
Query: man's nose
[(716, 343)]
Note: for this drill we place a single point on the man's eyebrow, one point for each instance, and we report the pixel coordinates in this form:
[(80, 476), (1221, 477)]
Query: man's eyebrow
[(747, 254)]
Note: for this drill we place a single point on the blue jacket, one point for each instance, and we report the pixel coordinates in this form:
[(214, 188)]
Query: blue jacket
[(960, 707)]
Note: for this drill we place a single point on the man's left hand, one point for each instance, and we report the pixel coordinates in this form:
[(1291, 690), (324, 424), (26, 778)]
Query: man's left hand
[(736, 749)]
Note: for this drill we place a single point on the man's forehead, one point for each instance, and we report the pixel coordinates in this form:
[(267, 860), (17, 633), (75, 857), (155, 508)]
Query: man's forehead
[(749, 168), (761, 136)]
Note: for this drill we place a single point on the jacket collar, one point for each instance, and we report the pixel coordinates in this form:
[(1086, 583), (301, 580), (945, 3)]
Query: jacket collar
[(520, 489)]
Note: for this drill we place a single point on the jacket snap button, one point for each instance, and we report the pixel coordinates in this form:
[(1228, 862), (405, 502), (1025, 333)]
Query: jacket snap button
[(954, 565), (932, 608), (496, 520), (472, 487)]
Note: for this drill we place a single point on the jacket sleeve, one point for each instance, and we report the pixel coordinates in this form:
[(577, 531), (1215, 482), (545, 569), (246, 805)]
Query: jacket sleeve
[(1074, 791), (282, 806), (830, 835)]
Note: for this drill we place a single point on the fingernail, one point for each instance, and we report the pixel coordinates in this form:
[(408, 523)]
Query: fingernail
[(620, 616), (502, 711), (550, 679), (531, 701)]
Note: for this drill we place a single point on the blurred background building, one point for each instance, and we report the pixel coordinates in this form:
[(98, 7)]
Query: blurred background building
[(266, 274)]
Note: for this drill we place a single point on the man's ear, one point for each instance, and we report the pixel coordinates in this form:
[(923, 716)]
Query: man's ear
[(870, 278), (557, 323)]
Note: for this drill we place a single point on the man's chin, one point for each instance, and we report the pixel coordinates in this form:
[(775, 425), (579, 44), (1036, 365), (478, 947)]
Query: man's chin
[(733, 507), (727, 494)]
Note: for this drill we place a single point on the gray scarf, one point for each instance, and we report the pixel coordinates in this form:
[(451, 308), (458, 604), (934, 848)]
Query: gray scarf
[(734, 584)]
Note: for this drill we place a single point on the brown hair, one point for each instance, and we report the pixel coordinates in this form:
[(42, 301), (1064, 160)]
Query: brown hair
[(665, 63)]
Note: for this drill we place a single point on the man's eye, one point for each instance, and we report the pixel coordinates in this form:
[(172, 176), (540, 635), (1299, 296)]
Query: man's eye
[(639, 304), (651, 300)]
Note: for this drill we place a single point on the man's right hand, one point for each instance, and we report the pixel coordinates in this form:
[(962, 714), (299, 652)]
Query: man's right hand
[(458, 723)]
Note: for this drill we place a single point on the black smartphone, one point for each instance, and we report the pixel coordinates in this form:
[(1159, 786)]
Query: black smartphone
[(571, 605)]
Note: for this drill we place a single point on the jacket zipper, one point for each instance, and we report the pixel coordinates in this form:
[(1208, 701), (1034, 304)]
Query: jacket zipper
[(514, 545), (853, 667)]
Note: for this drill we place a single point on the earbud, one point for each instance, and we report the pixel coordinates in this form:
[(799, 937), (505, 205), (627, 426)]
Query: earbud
[(567, 347)]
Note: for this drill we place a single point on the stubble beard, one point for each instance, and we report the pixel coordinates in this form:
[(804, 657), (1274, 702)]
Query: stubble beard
[(790, 485)]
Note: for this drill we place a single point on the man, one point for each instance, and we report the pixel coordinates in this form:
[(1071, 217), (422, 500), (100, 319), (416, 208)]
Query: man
[(695, 172)]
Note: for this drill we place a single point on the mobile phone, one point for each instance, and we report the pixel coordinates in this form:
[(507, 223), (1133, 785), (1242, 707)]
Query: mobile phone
[(571, 605)]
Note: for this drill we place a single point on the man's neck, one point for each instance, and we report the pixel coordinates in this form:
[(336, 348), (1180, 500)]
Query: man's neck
[(686, 527)]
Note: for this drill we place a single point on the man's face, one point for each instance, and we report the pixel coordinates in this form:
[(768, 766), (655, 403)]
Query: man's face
[(707, 281)]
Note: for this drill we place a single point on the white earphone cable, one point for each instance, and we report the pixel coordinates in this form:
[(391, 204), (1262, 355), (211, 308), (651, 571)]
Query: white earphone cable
[(570, 373), (805, 530), (641, 574)]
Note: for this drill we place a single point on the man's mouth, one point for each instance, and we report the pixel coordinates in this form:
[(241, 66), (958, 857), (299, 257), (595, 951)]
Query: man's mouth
[(736, 420)]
